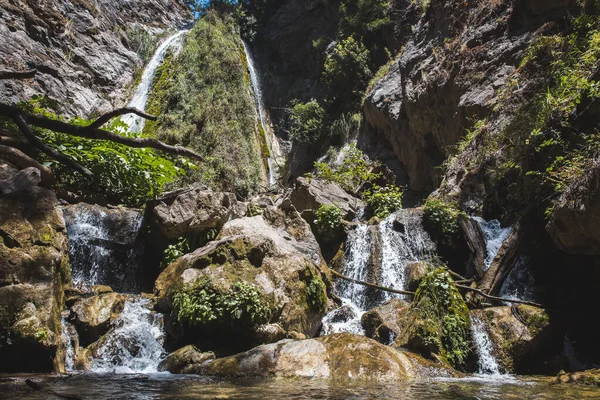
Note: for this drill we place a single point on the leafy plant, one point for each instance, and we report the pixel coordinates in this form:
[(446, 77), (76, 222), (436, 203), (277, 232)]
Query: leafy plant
[(316, 295), (384, 200), (175, 251), (306, 121), (328, 220), (441, 219), (202, 304)]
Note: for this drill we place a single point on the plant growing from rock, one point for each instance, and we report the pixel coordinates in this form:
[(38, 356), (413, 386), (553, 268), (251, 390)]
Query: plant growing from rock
[(175, 251), (441, 220), (384, 200), (328, 220), (316, 294), (306, 121)]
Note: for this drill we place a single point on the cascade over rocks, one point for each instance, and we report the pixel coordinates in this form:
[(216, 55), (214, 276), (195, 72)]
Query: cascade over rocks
[(34, 269), (277, 253), (327, 357), (92, 316)]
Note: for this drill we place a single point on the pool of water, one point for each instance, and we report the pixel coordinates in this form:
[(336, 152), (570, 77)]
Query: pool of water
[(166, 386)]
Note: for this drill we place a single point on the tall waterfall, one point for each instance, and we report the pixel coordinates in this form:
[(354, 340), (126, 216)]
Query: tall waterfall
[(271, 139), (140, 96), (495, 235), (486, 362), (378, 254)]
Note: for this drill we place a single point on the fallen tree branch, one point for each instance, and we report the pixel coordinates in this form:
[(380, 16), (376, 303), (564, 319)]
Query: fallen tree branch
[(22, 161), (487, 296), (17, 74), (117, 112), (372, 285), (88, 132), (37, 142)]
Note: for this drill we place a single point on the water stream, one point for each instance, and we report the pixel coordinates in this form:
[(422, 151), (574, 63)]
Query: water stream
[(270, 138), (486, 362), (140, 96), (495, 235)]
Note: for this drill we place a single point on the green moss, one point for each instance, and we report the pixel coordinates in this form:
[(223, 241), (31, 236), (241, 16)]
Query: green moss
[(316, 294), (41, 334)]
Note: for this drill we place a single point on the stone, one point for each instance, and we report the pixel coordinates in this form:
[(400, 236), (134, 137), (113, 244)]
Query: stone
[(588, 377), (25, 178), (194, 211), (515, 332), (340, 357), (310, 194), (414, 273), (185, 360), (92, 316), (382, 323)]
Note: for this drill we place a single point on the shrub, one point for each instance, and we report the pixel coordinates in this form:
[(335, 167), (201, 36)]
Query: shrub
[(363, 16), (306, 121), (347, 68), (355, 170), (175, 251), (441, 219), (141, 41), (328, 220), (384, 200), (202, 304), (316, 294)]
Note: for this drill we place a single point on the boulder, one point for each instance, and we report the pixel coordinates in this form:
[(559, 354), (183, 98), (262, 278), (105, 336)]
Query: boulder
[(414, 274), (382, 323), (92, 316), (588, 377), (185, 360), (194, 211), (34, 270), (310, 194), (339, 357), (277, 254), (515, 332)]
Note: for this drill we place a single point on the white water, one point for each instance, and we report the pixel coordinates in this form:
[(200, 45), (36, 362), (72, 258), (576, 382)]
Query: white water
[(272, 141), (140, 96), (68, 336), (486, 362), (495, 235), (135, 343), (520, 283)]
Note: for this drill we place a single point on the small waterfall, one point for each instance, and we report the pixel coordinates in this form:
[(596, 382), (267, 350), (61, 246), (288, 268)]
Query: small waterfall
[(140, 96), (486, 362), (520, 283), (135, 343), (495, 235), (71, 341), (271, 139), (103, 246)]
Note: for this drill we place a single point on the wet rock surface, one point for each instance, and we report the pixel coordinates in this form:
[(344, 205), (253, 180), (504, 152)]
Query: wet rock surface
[(186, 360), (92, 316), (383, 323)]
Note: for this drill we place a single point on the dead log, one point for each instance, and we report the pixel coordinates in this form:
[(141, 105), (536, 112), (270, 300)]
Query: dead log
[(495, 298), (371, 285), (22, 161), (118, 112)]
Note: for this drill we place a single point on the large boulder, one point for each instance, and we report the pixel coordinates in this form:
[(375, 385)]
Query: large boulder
[(34, 269), (339, 357), (310, 194), (92, 316), (515, 333), (194, 211), (589, 377), (276, 254), (382, 323), (185, 360)]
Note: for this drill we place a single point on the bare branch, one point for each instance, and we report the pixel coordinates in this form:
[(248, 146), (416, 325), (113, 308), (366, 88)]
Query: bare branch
[(17, 74), (117, 112), (37, 142), (487, 296), (22, 161), (372, 285)]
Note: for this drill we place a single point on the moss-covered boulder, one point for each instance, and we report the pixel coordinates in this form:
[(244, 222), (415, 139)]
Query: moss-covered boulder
[(339, 357), (92, 316), (437, 322), (34, 268), (588, 377), (516, 333), (262, 269)]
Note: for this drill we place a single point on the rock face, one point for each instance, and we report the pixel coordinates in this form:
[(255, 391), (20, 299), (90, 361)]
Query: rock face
[(515, 333), (275, 252), (34, 268), (383, 323), (310, 194), (194, 211), (84, 52), (575, 223), (327, 358)]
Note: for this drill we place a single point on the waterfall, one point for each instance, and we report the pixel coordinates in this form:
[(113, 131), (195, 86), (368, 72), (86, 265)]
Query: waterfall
[(495, 235), (135, 343), (379, 254), (486, 362), (270, 138), (103, 246), (520, 283), (140, 96), (70, 339)]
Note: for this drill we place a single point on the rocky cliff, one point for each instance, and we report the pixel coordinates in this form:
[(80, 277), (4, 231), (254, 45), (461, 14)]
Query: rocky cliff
[(87, 53)]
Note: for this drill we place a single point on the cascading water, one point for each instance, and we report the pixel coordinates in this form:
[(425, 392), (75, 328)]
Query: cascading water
[(486, 362), (271, 139), (495, 235), (135, 343), (402, 241), (140, 96), (520, 283), (103, 246)]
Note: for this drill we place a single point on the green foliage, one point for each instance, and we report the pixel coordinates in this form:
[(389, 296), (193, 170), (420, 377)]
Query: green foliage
[(384, 200), (316, 294), (328, 220), (175, 251), (306, 121), (360, 17), (203, 102), (444, 317), (441, 219), (41, 334), (141, 41), (121, 173), (355, 171), (203, 304), (347, 70)]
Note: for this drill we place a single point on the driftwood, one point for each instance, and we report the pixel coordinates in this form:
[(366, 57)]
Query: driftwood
[(371, 285), (495, 298)]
